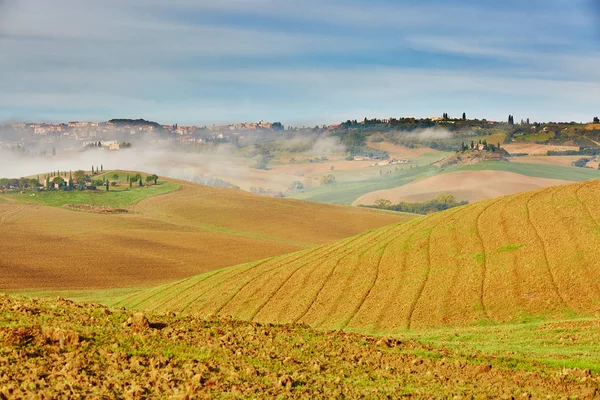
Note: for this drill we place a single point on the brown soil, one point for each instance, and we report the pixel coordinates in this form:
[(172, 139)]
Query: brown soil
[(468, 185), (396, 151), (184, 233), (535, 149), (60, 349)]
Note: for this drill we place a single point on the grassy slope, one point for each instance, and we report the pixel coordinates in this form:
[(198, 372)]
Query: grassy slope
[(116, 197), (172, 236), (59, 349), (541, 171), (498, 260)]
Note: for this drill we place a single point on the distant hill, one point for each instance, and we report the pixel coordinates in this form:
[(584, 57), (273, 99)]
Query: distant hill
[(529, 254), (134, 122)]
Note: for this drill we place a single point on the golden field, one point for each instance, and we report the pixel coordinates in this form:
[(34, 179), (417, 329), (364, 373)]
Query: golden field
[(190, 231), (534, 253)]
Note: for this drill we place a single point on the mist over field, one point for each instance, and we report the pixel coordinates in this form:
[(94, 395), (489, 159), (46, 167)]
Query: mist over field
[(166, 159)]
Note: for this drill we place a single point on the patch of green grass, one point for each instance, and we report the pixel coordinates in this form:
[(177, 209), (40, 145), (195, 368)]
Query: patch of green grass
[(541, 171), (107, 297), (568, 343), (509, 247), (116, 197)]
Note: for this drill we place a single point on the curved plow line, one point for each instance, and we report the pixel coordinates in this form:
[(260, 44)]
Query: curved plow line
[(484, 264), (330, 274), (218, 310), (299, 255), (8, 214), (368, 292), (171, 298), (539, 238), (589, 212), (297, 269), (454, 278), (154, 293), (272, 269), (374, 282), (403, 264), (413, 305), (515, 269), (208, 275), (195, 299)]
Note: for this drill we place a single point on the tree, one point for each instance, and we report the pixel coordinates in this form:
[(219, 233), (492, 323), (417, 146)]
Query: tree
[(101, 167), (464, 117), (152, 178), (596, 120), (59, 180), (136, 177), (383, 203), (33, 183), (327, 179), (80, 176), (107, 186), (115, 176), (296, 185), (93, 170)]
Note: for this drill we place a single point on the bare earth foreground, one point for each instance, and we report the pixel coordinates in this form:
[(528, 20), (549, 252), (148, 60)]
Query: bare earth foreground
[(469, 185), (59, 349), (176, 235)]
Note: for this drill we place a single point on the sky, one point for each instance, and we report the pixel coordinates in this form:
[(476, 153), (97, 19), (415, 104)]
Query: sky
[(301, 62)]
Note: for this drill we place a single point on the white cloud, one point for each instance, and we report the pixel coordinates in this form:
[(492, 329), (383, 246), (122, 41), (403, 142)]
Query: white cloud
[(137, 58)]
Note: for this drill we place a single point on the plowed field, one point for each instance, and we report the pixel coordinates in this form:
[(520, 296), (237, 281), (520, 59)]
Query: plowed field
[(533, 253), (60, 349), (190, 231), (468, 185)]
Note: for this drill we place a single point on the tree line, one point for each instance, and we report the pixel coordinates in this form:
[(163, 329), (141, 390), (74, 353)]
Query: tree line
[(440, 203)]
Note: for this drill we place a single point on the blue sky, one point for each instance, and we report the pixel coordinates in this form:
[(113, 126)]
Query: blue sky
[(299, 62)]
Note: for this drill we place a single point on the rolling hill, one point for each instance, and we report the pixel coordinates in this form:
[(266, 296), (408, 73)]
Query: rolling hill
[(467, 185), (528, 254), (185, 232)]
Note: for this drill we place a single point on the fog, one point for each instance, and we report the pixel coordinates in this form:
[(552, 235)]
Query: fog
[(427, 134), (166, 159)]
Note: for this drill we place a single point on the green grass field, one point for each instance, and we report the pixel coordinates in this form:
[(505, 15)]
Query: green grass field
[(116, 197), (566, 343), (346, 192), (540, 171)]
